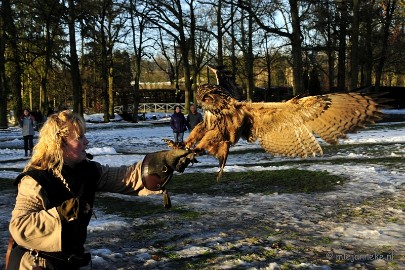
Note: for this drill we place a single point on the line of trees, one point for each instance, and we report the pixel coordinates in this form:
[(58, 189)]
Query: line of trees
[(89, 54)]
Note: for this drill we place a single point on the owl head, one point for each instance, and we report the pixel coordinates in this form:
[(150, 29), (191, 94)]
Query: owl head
[(214, 98), (225, 80)]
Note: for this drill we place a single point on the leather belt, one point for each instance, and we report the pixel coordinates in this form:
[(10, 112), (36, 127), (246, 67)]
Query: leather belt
[(72, 259)]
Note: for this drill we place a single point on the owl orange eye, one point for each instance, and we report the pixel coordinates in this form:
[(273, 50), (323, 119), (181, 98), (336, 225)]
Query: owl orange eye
[(207, 100)]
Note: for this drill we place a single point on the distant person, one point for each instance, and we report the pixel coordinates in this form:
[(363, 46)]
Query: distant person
[(178, 123), (27, 123), (193, 118)]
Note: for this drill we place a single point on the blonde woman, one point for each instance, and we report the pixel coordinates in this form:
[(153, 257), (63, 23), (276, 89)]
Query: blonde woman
[(56, 193)]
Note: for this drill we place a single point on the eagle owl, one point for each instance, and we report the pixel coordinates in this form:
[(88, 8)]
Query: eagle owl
[(281, 128)]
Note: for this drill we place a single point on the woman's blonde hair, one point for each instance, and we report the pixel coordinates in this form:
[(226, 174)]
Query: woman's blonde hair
[(48, 152)]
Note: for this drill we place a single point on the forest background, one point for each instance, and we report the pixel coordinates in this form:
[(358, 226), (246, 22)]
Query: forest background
[(92, 55)]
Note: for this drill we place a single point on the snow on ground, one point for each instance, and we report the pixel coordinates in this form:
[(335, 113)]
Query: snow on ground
[(119, 143)]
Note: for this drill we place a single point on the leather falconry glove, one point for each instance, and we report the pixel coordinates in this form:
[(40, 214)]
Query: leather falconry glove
[(158, 168)]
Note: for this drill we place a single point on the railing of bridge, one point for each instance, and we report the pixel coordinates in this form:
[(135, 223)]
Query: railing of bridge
[(149, 107)]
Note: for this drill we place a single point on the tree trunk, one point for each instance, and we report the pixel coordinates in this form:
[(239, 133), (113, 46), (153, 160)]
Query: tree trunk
[(43, 94), (104, 66), (331, 60), (111, 92), (194, 65), (137, 60), (3, 81), (296, 49), (354, 53), (250, 60), (220, 55), (233, 52), (74, 63), (185, 49), (368, 48), (243, 49), (187, 74), (16, 69), (81, 63), (268, 67), (341, 75), (136, 88), (390, 7), (104, 80)]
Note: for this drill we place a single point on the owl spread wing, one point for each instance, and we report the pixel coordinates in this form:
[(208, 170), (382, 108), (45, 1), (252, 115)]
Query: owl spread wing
[(289, 128)]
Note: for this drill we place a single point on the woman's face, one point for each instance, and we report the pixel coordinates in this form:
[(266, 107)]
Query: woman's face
[(74, 149), (178, 109), (26, 112)]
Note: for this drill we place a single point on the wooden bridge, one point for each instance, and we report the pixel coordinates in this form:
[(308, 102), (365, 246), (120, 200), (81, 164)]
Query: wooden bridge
[(149, 107)]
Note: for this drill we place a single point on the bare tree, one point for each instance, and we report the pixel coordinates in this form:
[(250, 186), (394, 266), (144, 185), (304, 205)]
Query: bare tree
[(354, 52), (341, 74), (193, 55), (220, 54), (367, 59), (320, 36), (247, 49), (15, 59), (106, 4), (105, 25), (199, 46), (218, 22), (51, 13), (138, 14), (294, 36), (271, 56), (115, 33), (74, 61), (193, 32), (171, 17), (169, 51), (387, 15), (233, 42), (3, 78)]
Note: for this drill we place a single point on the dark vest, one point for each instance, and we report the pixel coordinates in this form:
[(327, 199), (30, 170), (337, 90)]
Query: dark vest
[(82, 181)]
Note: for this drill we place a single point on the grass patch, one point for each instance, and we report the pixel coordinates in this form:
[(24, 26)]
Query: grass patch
[(131, 209), (134, 209), (146, 232), (395, 163), (266, 182)]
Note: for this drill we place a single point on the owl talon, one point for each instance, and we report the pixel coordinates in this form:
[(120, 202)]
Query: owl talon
[(174, 145), (169, 143), (198, 152), (188, 148), (219, 175)]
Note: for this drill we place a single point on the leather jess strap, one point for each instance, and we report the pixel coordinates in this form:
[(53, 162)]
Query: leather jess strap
[(9, 248)]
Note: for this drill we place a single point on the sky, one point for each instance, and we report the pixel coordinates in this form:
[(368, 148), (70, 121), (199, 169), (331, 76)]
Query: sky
[(119, 143)]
